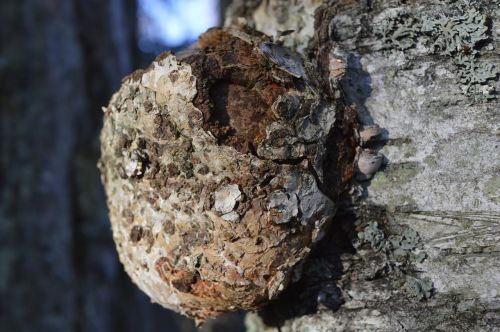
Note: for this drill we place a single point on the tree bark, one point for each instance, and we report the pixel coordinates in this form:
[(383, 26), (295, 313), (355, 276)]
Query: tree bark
[(415, 248)]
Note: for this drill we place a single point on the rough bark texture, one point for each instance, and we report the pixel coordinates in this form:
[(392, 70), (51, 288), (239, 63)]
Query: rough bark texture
[(415, 248), (222, 167)]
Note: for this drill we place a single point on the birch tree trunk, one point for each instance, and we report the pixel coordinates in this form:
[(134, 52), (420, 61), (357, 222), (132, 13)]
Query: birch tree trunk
[(417, 247)]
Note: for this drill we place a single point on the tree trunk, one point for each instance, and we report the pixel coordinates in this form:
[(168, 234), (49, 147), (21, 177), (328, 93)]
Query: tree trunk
[(428, 84), (415, 248)]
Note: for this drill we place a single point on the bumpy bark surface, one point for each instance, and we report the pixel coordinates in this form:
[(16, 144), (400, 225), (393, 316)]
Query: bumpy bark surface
[(221, 167), (426, 228)]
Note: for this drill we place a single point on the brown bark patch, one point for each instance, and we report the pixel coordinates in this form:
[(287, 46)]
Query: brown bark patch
[(236, 86)]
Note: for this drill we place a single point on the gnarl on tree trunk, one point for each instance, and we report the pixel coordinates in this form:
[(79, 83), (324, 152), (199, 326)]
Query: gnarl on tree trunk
[(222, 167)]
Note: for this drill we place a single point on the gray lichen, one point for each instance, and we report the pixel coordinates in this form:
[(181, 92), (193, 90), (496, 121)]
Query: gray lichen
[(400, 30), (459, 34), (474, 74), (407, 245), (418, 289), (373, 235), (397, 247), (399, 252), (455, 33)]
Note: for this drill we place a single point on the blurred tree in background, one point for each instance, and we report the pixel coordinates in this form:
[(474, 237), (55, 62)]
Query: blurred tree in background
[(60, 61)]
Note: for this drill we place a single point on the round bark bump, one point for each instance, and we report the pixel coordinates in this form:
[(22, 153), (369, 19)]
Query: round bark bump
[(232, 165)]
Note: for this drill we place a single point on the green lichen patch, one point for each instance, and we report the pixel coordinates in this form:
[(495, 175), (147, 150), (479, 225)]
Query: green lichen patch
[(400, 31), (458, 32), (397, 253), (473, 74), (400, 141), (447, 33), (430, 161), (411, 150), (395, 175), (406, 246), (492, 188), (374, 236), (418, 289)]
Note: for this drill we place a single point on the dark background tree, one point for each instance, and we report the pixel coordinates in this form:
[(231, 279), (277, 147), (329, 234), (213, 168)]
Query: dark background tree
[(60, 61)]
